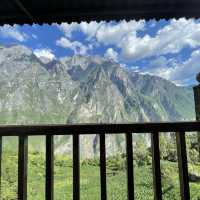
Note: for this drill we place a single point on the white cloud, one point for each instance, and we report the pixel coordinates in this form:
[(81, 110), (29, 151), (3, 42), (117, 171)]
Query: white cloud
[(68, 29), (107, 33), (152, 23), (186, 72), (113, 33), (170, 39), (111, 54), (160, 66), (159, 62), (44, 53), (181, 73), (8, 31), (34, 36), (76, 46), (97, 33), (89, 29)]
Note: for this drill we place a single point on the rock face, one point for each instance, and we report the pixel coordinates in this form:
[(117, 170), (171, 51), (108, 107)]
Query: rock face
[(84, 89)]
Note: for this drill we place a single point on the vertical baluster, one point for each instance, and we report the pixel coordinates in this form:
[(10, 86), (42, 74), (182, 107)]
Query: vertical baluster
[(103, 166), (76, 168), (0, 162), (49, 186), (129, 153), (156, 166), (182, 164), (22, 167)]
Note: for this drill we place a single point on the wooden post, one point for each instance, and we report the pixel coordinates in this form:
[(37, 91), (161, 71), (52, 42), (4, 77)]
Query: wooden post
[(0, 162), (76, 167), (182, 165), (129, 155), (156, 166), (22, 167), (49, 186), (196, 90), (103, 166)]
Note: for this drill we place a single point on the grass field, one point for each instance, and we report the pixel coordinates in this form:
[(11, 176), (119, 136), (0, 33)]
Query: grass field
[(90, 180)]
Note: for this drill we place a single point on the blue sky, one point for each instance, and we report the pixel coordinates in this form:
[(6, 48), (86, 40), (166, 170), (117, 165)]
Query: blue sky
[(170, 49)]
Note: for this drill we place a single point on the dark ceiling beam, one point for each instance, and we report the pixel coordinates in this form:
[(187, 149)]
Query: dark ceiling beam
[(45, 11)]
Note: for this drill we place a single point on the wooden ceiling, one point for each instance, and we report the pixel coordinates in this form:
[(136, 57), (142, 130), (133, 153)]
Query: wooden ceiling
[(50, 11)]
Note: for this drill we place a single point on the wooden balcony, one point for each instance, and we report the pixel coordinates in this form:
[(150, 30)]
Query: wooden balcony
[(23, 132)]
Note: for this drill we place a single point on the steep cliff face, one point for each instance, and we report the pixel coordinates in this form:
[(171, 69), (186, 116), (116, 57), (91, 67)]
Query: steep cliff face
[(84, 89)]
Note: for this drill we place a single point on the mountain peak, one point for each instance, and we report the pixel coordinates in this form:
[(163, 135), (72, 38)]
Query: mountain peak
[(18, 49)]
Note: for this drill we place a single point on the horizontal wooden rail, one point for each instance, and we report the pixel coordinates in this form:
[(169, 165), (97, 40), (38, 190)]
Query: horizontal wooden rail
[(64, 129)]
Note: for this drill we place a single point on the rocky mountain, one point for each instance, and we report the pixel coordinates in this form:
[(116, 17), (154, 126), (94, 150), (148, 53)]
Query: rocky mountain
[(81, 90)]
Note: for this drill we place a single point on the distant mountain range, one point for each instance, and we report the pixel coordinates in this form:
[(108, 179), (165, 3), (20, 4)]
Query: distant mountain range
[(82, 89)]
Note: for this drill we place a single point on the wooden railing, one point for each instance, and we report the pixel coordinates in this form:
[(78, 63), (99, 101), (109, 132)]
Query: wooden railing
[(102, 129)]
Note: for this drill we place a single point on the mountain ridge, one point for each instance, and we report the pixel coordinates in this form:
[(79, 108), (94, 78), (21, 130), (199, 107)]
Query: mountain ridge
[(84, 90)]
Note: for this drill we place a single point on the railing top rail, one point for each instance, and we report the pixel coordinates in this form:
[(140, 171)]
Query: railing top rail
[(71, 129)]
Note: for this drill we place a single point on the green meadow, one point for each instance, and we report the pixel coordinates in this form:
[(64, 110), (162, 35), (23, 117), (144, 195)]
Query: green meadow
[(90, 179)]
